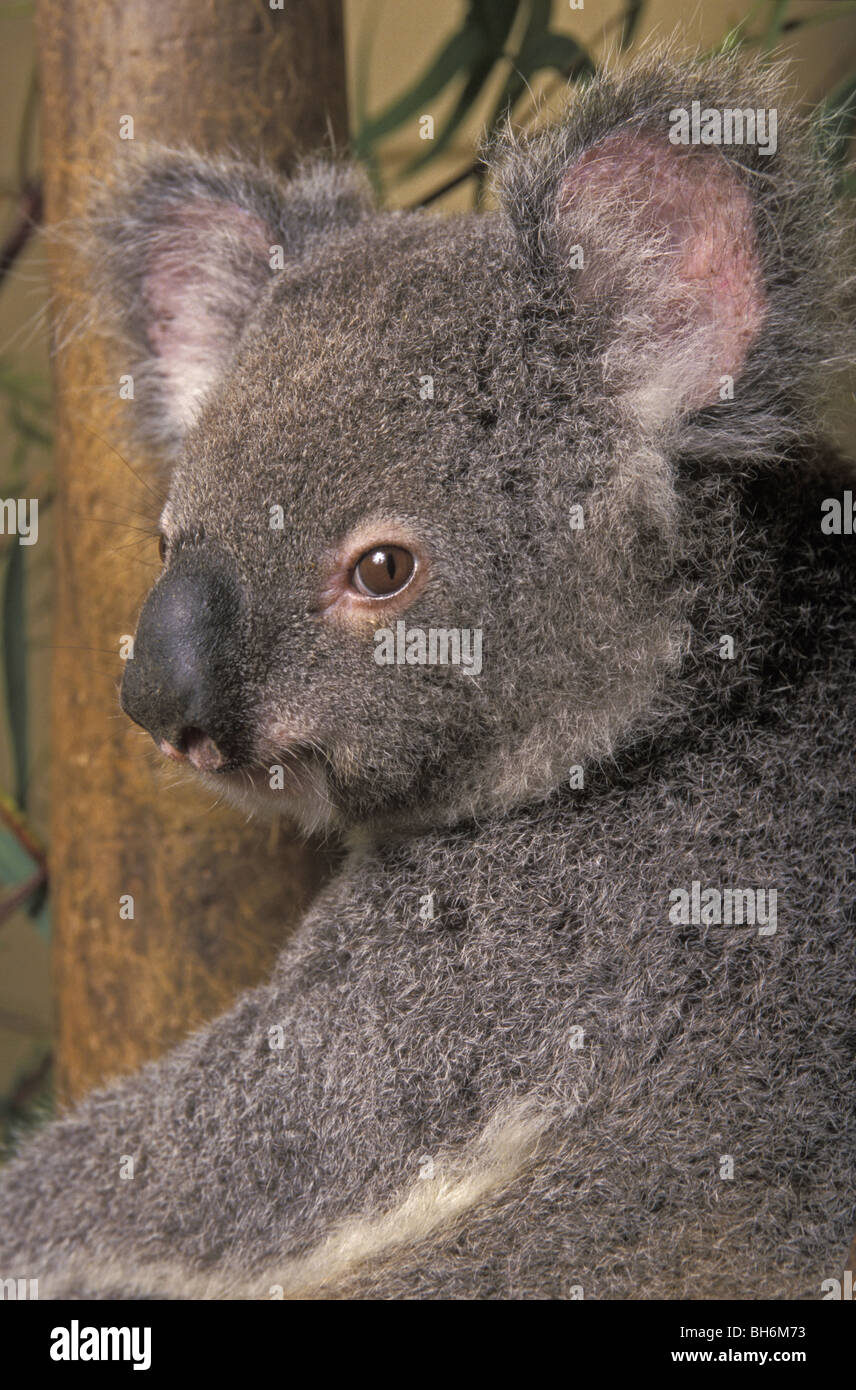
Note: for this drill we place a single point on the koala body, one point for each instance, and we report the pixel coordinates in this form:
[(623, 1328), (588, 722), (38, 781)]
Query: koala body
[(575, 1018)]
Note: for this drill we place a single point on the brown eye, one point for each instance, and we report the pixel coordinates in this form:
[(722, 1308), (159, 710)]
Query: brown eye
[(383, 571), (162, 547)]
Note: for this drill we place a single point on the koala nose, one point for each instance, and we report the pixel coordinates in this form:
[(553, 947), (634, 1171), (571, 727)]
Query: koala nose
[(183, 683)]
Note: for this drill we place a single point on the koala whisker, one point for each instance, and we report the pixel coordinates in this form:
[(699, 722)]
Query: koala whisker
[(159, 496)]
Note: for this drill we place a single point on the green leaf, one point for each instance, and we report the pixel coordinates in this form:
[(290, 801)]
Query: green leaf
[(464, 51), (561, 52), (539, 22), (495, 19), (738, 35), (773, 31), (461, 109), (16, 865), (630, 22), (541, 50), (22, 865), (15, 665)]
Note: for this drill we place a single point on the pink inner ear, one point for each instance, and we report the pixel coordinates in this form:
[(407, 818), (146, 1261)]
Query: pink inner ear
[(203, 267), (638, 184)]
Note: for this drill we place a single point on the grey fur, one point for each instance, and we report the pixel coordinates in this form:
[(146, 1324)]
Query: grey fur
[(406, 1036)]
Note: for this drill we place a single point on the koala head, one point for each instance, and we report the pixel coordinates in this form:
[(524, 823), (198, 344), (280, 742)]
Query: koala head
[(383, 426)]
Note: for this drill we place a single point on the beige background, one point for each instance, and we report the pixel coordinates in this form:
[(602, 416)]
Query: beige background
[(389, 43)]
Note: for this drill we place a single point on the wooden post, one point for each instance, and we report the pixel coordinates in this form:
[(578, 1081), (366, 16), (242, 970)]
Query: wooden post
[(213, 897)]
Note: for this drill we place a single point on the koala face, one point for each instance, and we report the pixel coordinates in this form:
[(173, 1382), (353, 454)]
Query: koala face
[(330, 494), (397, 437), (366, 473)]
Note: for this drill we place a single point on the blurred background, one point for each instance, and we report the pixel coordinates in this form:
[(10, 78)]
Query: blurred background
[(464, 63)]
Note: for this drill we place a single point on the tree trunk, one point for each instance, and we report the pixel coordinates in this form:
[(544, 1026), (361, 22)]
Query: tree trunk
[(213, 897)]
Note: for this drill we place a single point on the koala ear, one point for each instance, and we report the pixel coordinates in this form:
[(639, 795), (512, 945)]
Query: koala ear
[(656, 269), (184, 249), (659, 242)]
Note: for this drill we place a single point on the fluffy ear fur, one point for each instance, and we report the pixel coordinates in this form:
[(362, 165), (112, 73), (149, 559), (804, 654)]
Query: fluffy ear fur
[(185, 252), (674, 270), (670, 235)]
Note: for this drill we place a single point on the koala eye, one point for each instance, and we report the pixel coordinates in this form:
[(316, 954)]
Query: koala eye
[(383, 570), (162, 547)]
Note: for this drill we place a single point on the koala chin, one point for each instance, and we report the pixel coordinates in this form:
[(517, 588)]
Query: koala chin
[(292, 789), (495, 1061)]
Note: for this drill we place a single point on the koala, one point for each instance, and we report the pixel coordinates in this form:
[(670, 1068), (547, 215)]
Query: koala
[(507, 549)]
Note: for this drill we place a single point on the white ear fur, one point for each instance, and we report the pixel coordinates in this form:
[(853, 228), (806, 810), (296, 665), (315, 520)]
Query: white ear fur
[(205, 265), (669, 248)]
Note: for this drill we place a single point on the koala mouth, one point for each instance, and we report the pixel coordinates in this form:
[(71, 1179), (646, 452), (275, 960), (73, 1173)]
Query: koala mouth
[(291, 782), (282, 769), (283, 778)]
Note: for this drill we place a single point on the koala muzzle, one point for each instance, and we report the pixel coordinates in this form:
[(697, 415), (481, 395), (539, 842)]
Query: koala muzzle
[(183, 683)]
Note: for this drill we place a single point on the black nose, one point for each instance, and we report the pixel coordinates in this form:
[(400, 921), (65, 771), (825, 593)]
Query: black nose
[(184, 682)]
